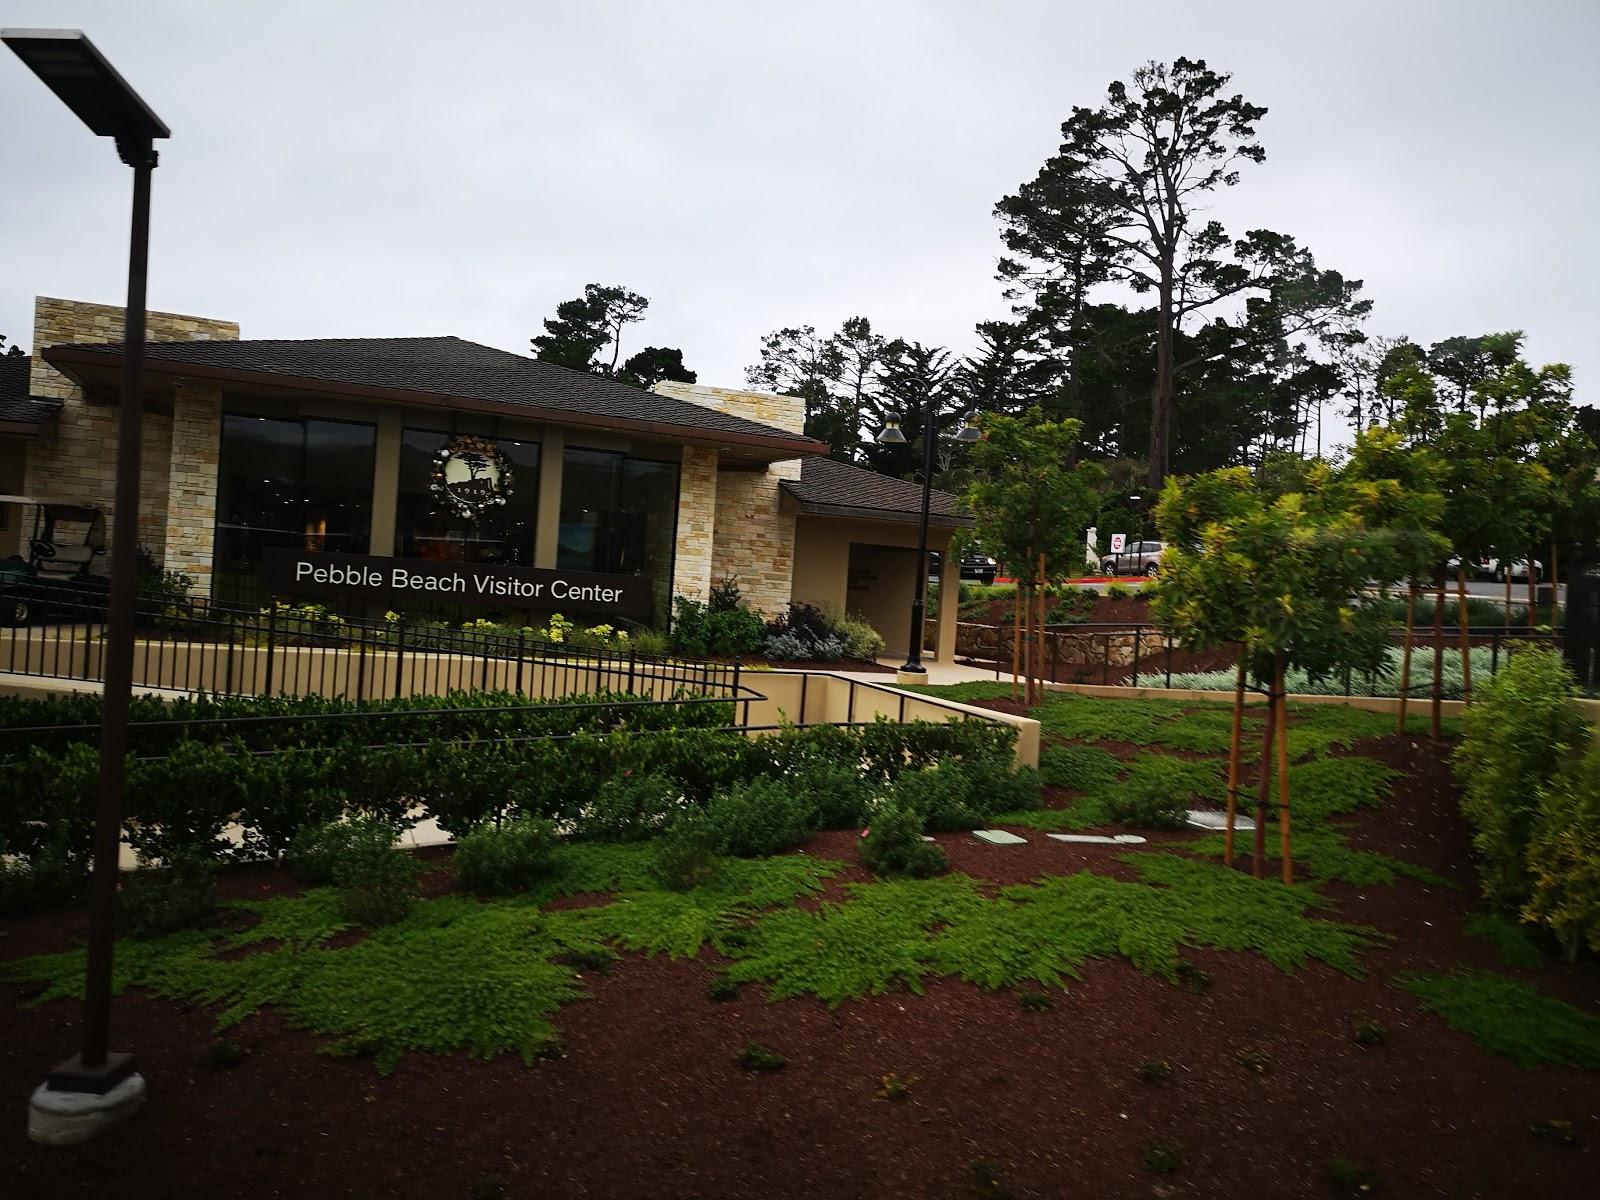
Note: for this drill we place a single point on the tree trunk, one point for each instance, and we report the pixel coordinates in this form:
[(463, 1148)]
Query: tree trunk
[(1405, 654), (1466, 632), (1233, 762), (1285, 848), (1506, 568), (1162, 391), (1262, 784), (1555, 587), (1438, 652)]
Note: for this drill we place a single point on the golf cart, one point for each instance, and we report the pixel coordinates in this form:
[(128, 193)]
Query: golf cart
[(57, 571)]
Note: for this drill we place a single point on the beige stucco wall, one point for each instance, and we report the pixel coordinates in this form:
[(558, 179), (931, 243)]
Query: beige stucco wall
[(81, 466), (822, 574)]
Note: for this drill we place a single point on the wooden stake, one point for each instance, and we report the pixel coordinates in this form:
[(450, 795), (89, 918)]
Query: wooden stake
[(1466, 632), (1038, 629), (1260, 852), (1405, 654), (1233, 762), (1016, 641), (1285, 849), (1533, 595), (1438, 653)]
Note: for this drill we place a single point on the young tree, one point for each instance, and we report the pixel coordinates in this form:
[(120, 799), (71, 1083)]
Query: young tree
[(1136, 173), (1032, 499), (583, 327), (1279, 576)]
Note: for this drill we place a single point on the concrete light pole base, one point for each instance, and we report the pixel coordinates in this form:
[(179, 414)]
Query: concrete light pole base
[(915, 677), (67, 1118)]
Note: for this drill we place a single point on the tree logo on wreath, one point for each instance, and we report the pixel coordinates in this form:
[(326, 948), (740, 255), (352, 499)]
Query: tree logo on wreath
[(470, 476)]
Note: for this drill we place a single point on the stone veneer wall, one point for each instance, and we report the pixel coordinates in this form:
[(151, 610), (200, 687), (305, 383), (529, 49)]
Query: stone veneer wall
[(697, 509), (82, 464), (752, 540), (196, 438)]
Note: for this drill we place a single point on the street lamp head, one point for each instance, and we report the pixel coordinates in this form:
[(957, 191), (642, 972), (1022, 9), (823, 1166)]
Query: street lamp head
[(79, 74), (969, 432), (891, 435)]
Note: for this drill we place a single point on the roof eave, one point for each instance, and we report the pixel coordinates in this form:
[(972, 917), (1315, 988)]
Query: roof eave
[(857, 512), (66, 357)]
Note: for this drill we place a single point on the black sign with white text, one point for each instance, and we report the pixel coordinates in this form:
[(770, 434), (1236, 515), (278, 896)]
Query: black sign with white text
[(405, 582)]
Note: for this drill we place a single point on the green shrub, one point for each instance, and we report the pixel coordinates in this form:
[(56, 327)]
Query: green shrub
[(756, 1057), (1520, 727), (1564, 855), (836, 795), (650, 642), (1350, 1178), (224, 1055), (1071, 605), (893, 845), (631, 806), (966, 793), (53, 877), (316, 851), (860, 639), (377, 882), (761, 817), (499, 860), (180, 894), (1161, 1158), (1160, 790), (699, 630), (686, 857)]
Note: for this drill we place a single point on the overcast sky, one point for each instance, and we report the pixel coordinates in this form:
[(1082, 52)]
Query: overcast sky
[(381, 168)]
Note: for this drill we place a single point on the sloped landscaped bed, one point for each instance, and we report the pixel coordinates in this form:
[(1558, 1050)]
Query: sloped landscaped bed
[(1046, 1020)]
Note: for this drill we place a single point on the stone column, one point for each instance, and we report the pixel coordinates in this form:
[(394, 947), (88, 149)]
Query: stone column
[(697, 514), (191, 514)]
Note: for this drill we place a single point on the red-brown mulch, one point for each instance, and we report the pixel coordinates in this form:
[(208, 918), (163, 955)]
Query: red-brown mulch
[(648, 1101)]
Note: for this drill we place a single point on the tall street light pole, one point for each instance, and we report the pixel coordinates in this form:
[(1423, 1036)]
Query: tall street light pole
[(98, 1088), (892, 436)]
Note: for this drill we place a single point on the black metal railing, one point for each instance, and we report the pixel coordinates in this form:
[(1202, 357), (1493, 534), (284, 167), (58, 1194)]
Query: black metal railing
[(1149, 655), (283, 650)]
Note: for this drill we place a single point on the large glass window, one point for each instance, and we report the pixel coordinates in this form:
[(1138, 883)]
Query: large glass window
[(620, 515), (296, 484), (502, 535)]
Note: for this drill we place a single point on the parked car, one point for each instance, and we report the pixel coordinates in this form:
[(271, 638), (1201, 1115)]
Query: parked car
[(57, 573), (976, 567), (1137, 558), (1489, 568)]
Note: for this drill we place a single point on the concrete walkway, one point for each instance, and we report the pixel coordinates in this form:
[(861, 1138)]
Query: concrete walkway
[(938, 672)]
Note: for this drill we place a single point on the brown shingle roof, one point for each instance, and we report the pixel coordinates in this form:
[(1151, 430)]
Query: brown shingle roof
[(17, 407), (449, 368), (831, 488)]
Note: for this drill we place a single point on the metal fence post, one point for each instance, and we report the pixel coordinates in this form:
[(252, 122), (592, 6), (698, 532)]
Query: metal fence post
[(272, 631), (399, 656)]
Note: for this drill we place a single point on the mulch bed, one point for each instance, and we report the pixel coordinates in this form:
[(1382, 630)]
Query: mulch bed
[(648, 1101)]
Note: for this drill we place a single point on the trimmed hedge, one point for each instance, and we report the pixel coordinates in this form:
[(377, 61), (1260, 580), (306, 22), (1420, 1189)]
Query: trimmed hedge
[(454, 767)]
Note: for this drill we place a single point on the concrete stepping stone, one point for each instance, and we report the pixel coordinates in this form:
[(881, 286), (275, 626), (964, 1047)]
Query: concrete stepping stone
[(1207, 818), (999, 837), (1097, 839)]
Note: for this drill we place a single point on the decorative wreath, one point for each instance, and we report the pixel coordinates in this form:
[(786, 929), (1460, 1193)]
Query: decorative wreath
[(471, 476)]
